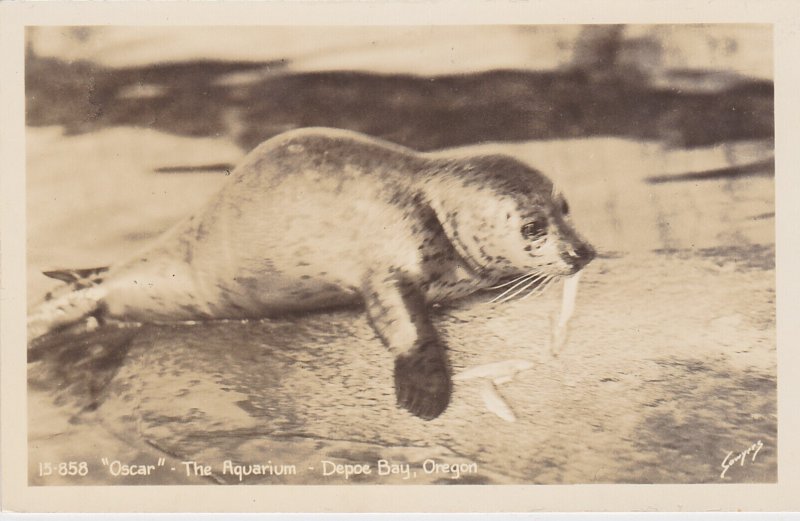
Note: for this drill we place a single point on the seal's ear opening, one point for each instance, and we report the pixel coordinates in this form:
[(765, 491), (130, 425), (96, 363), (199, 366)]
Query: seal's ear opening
[(76, 277)]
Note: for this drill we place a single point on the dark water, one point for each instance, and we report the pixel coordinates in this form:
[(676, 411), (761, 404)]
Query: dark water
[(424, 113)]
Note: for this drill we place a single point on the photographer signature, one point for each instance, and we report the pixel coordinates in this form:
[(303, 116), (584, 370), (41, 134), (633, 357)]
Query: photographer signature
[(731, 460)]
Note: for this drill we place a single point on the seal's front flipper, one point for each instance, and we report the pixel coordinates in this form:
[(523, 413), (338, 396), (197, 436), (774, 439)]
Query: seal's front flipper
[(422, 380), (398, 313)]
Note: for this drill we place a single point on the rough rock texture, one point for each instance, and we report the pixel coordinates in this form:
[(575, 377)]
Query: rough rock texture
[(670, 364)]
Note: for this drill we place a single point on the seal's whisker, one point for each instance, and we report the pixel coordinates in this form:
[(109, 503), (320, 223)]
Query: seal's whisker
[(528, 285), (540, 288), (522, 282), (513, 280), (517, 284), (542, 283)]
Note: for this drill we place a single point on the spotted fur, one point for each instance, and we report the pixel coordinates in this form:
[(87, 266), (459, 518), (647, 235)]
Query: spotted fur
[(322, 218)]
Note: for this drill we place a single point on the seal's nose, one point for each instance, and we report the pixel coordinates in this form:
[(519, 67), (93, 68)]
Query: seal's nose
[(580, 255)]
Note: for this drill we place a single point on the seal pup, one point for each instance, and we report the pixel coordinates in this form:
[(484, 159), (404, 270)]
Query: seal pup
[(320, 218)]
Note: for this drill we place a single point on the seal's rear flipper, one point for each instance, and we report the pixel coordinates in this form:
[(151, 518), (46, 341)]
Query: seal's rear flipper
[(80, 277), (56, 312)]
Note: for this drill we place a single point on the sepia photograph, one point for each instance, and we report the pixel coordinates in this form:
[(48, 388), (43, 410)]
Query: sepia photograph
[(347, 255)]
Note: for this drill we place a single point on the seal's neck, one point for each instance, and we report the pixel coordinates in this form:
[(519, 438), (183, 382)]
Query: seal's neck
[(451, 200)]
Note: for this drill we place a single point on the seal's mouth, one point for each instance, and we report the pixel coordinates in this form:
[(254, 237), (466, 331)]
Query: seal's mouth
[(537, 281)]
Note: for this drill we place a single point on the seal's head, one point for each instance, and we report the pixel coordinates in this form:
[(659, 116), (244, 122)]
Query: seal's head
[(511, 221)]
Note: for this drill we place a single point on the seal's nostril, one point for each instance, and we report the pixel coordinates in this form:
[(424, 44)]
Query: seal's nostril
[(579, 256), (586, 252)]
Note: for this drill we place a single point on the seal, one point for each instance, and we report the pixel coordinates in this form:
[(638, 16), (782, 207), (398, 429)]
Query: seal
[(319, 218)]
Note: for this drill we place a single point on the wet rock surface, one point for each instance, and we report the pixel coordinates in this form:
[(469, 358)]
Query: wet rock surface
[(655, 385)]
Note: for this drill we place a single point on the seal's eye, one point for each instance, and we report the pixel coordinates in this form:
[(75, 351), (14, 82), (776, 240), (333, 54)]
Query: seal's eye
[(534, 230)]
